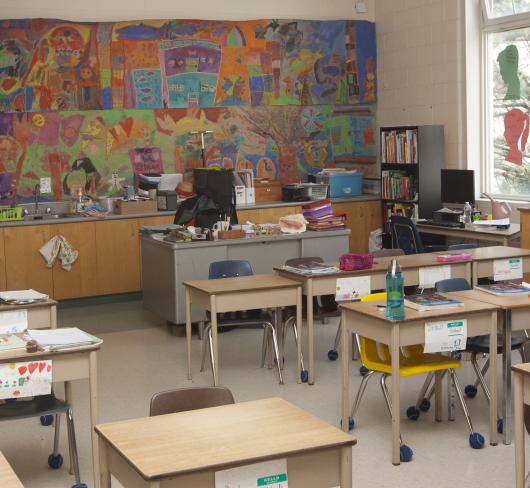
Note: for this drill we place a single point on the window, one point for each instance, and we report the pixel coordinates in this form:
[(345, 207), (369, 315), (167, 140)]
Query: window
[(506, 43)]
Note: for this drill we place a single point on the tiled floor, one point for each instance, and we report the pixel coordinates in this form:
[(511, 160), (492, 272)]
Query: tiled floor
[(142, 356)]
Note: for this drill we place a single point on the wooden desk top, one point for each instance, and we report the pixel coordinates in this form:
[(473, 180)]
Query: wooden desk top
[(513, 230), (43, 303), (219, 437), (370, 309), (22, 355), (241, 284), (505, 302), (491, 252), (523, 368), (8, 478)]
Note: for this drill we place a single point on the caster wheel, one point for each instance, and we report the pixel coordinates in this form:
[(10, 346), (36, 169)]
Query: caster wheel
[(458, 356), (80, 485), (405, 453), (363, 370), (46, 420), (425, 405), (413, 413), (351, 423), (476, 441), (55, 461), (304, 376), (500, 426), (470, 391), (333, 355)]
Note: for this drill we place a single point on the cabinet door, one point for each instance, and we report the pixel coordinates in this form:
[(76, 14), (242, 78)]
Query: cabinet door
[(2, 262), (266, 215), (158, 220), (118, 256), (81, 280), (525, 235), (25, 267)]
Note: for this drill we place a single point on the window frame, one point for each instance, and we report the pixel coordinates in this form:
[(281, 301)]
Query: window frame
[(492, 25)]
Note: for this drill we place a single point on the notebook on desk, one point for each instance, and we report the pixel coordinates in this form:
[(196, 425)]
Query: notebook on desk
[(63, 338)]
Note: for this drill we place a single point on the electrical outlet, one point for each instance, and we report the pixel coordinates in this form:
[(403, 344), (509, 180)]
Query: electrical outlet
[(45, 185), (360, 7)]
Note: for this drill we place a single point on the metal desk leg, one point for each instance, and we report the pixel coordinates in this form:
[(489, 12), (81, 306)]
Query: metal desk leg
[(215, 343), (188, 330), (299, 332), (345, 467), (396, 405), (506, 377), (310, 346), (93, 386), (519, 430), (345, 368), (475, 273), (493, 379)]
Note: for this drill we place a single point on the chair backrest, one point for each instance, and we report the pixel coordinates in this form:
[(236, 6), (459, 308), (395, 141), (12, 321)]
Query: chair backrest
[(371, 351), (383, 253), (452, 284), (229, 269), (183, 399), (405, 235), (300, 261)]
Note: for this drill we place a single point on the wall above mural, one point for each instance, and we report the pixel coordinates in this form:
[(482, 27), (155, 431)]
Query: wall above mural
[(85, 103)]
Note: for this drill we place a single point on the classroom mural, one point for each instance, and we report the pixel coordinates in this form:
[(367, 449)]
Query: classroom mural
[(87, 102)]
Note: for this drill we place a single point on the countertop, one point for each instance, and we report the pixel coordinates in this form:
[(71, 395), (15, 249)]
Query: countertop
[(71, 220)]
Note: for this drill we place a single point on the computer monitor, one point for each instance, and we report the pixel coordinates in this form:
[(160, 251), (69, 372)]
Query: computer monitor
[(458, 186)]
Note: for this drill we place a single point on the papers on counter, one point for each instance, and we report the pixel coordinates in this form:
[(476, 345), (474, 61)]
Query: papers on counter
[(17, 297), (492, 222), (64, 338)]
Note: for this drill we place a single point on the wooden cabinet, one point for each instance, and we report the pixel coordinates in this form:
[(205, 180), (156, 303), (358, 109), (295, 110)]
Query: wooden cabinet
[(25, 267), (164, 219), (361, 218), (2, 262), (525, 233), (266, 215), (81, 280), (118, 256)]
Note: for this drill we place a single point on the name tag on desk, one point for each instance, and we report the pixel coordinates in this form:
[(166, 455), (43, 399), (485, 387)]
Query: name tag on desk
[(429, 275), (352, 288), (13, 321), (507, 269), (445, 336), (270, 474)]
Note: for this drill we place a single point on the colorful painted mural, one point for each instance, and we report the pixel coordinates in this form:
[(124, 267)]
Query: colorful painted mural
[(99, 149), (57, 65)]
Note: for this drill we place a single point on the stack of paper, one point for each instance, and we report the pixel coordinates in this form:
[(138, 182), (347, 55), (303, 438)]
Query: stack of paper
[(312, 268), (9, 341), (17, 297), (64, 338)]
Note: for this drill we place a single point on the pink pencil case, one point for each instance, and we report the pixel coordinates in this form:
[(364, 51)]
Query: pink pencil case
[(453, 258)]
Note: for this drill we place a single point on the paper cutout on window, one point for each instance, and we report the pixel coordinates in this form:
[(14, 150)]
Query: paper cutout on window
[(508, 60), (516, 134)]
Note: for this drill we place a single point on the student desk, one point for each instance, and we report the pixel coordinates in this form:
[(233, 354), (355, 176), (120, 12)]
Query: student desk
[(236, 294), (325, 284), (365, 319), (483, 257), (185, 449), (40, 314), (69, 365), (515, 316), (8, 478), (475, 232), (521, 399)]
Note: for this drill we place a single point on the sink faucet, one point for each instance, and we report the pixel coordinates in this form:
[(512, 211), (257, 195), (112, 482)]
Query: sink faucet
[(36, 194)]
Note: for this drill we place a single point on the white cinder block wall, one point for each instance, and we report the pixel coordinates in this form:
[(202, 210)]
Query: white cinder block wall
[(421, 68)]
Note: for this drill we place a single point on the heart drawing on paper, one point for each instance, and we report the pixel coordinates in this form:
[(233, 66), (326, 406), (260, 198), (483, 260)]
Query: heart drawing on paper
[(32, 367), (16, 393), (49, 368), (22, 370), (42, 365)]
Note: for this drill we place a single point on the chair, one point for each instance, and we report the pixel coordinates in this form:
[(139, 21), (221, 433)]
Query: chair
[(333, 353), (478, 345), (45, 405), (376, 358), (405, 236), (232, 269), (184, 399)]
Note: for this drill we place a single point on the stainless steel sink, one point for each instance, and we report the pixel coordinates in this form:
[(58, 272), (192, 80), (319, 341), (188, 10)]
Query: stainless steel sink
[(48, 216)]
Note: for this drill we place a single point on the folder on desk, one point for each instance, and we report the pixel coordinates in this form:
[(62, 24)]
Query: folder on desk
[(63, 338)]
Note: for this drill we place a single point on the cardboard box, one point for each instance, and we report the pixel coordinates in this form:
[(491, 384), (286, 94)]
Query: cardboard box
[(267, 190), (127, 207)]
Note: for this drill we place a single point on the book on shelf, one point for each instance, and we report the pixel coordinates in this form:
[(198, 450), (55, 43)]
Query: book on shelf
[(431, 301), (397, 185), (504, 288), (312, 268), (399, 146)]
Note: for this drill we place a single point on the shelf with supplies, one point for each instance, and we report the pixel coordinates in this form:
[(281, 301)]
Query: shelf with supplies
[(399, 145)]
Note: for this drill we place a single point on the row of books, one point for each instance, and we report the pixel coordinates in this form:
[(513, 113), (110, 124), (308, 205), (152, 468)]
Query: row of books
[(319, 216), (409, 210), (399, 147), (397, 185)]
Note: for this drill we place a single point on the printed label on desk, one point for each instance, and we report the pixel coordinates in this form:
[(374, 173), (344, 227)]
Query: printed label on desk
[(353, 288), (270, 474), (13, 321), (445, 336), (507, 269), (25, 379), (429, 275)]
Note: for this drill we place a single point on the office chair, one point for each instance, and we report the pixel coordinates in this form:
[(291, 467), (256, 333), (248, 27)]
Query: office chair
[(185, 399), (478, 345), (376, 358), (232, 269), (405, 236), (45, 405)]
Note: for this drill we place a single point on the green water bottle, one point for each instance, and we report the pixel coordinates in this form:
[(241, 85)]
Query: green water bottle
[(395, 297)]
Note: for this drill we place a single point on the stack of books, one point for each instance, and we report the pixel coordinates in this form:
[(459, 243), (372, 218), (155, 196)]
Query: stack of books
[(60, 339), (505, 288), (320, 216)]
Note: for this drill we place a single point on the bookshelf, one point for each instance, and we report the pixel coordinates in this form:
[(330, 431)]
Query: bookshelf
[(411, 160)]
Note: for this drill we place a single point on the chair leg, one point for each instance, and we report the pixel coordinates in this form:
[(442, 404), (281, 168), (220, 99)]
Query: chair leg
[(295, 332), (483, 370), (480, 375), (264, 345), (456, 384), (56, 435), (210, 343), (360, 393), (206, 334), (388, 399), (422, 394), (336, 343), (430, 393), (72, 443), (276, 350)]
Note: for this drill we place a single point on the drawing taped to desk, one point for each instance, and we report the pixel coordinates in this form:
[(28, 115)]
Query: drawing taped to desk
[(25, 379), (13, 321), (445, 336), (270, 474), (429, 275), (507, 269), (353, 288)]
